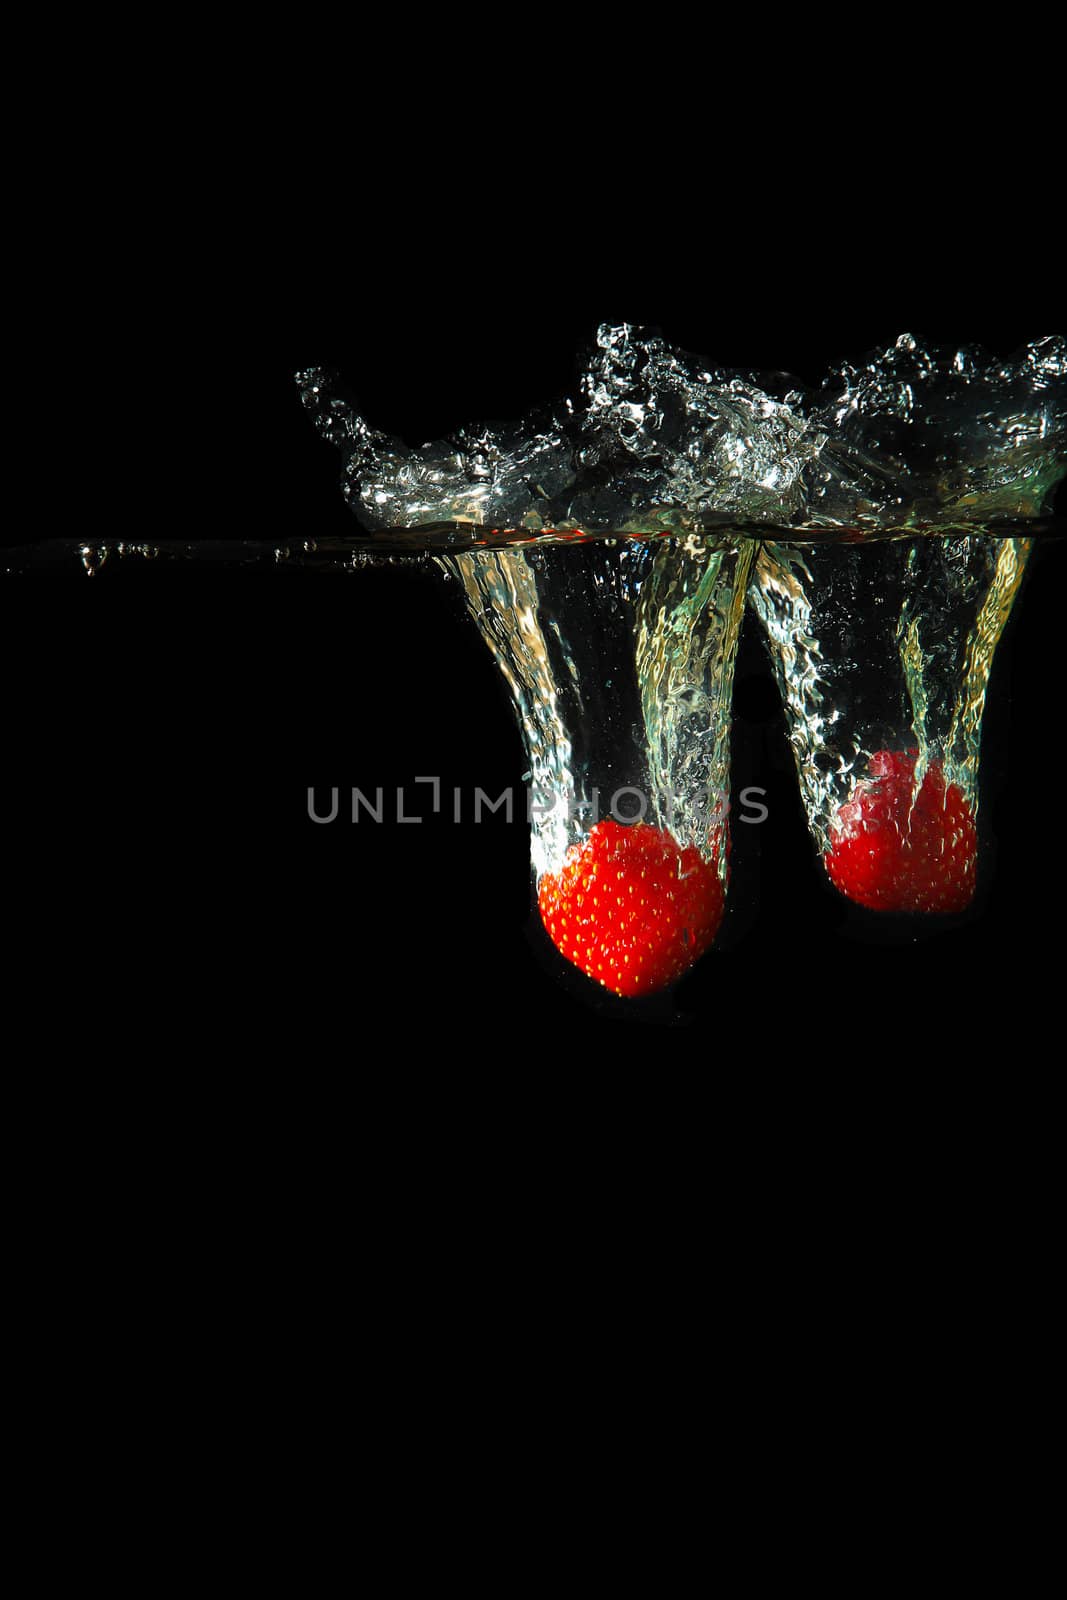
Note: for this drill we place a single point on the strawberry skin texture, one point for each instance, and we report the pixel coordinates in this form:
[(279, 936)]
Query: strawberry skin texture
[(880, 859), (631, 908)]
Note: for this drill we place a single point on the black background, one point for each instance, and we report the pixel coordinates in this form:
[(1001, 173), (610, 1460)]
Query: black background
[(273, 1026), (169, 722)]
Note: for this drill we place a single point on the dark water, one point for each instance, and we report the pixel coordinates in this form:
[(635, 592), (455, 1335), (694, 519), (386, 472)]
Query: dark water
[(163, 725), (166, 717)]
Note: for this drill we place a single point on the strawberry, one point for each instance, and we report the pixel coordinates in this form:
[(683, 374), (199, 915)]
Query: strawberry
[(631, 908), (888, 860)]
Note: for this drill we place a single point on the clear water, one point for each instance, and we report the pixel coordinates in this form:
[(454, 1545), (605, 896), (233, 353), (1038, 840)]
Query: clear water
[(885, 647), (619, 658), (879, 523), (656, 442)]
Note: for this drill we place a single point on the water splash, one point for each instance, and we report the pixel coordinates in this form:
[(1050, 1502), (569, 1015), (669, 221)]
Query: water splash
[(895, 506), (897, 471), (914, 437), (883, 655), (619, 658)]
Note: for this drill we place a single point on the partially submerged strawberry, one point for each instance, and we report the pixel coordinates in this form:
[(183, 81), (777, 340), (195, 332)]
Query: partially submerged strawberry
[(889, 854), (631, 908)]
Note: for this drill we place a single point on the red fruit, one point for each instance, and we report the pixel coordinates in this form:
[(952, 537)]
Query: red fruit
[(631, 908), (889, 860)]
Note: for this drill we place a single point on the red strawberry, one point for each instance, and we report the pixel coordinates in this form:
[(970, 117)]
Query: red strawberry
[(631, 908), (887, 860)]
